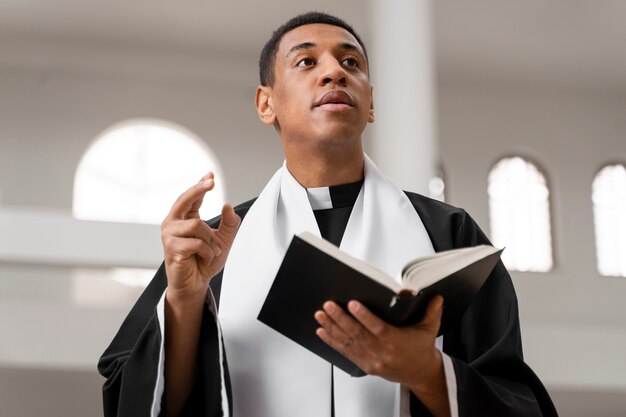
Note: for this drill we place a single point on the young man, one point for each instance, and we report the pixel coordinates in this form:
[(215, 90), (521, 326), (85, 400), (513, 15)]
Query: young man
[(173, 356)]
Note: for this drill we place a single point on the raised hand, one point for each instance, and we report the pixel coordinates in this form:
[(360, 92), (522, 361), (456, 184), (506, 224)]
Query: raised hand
[(194, 252)]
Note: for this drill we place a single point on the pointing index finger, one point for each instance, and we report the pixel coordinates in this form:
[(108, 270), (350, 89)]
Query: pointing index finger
[(191, 200)]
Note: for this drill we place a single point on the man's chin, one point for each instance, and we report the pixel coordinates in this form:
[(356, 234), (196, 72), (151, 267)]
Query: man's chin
[(336, 138), (338, 130), (326, 133)]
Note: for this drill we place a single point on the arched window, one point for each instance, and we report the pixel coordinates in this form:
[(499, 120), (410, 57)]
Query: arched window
[(609, 212), (519, 211), (134, 171)]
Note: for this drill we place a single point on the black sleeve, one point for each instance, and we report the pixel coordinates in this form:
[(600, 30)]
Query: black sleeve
[(130, 363), (486, 349)]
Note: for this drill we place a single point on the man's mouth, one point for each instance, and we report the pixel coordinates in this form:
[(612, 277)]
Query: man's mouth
[(335, 100)]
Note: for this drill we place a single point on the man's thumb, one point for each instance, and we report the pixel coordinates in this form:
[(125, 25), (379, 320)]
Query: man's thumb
[(229, 223)]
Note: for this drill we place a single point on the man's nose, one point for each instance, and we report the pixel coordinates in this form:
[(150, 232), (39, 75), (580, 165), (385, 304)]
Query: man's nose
[(333, 73)]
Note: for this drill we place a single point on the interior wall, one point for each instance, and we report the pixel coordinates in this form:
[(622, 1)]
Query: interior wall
[(570, 136)]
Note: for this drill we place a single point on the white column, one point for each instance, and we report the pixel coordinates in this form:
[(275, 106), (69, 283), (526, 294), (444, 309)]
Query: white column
[(402, 140)]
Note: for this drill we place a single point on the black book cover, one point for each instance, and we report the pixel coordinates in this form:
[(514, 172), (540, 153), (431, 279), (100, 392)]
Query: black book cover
[(308, 277)]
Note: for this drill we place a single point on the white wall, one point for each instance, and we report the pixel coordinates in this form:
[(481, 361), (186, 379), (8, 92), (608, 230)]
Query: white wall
[(570, 136)]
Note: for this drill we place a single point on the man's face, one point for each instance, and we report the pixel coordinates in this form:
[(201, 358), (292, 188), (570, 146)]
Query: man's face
[(321, 88)]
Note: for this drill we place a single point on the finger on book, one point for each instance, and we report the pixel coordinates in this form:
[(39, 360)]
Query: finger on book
[(369, 320)]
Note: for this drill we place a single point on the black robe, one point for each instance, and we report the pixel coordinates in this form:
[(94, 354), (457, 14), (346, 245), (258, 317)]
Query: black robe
[(486, 349)]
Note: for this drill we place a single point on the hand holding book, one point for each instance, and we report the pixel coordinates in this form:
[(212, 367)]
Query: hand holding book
[(315, 271), (406, 355)]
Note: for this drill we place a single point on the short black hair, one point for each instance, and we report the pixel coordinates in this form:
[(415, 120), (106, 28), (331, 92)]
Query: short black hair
[(267, 60)]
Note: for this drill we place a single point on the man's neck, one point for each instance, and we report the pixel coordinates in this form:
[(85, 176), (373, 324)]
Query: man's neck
[(313, 170)]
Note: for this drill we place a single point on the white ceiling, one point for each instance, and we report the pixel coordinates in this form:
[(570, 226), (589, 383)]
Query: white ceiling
[(577, 42), (233, 24)]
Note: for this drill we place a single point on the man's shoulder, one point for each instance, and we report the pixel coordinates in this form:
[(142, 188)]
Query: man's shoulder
[(241, 210), (448, 226), (427, 205)]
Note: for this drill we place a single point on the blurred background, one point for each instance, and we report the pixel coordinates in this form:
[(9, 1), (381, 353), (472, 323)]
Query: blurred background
[(514, 110)]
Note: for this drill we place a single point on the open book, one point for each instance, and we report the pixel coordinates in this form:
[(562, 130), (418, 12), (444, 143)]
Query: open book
[(314, 271)]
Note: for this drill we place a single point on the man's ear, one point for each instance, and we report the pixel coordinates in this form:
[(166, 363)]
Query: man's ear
[(370, 118), (264, 105)]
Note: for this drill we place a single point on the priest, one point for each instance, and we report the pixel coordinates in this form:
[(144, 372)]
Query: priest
[(192, 346)]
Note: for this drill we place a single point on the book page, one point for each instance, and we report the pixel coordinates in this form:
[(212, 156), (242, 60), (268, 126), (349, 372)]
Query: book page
[(423, 272)]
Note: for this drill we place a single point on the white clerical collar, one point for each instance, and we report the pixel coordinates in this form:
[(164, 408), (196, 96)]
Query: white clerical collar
[(335, 196), (320, 198)]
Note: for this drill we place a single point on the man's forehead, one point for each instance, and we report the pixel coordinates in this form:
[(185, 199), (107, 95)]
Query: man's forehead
[(318, 34)]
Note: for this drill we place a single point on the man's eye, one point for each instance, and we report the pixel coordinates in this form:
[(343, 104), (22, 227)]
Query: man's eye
[(305, 62), (351, 62)]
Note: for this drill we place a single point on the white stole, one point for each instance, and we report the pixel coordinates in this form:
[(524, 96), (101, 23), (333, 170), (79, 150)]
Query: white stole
[(271, 375)]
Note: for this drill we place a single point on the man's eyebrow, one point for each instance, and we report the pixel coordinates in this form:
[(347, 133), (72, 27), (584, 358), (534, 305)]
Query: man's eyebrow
[(310, 45), (350, 47), (299, 47)]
